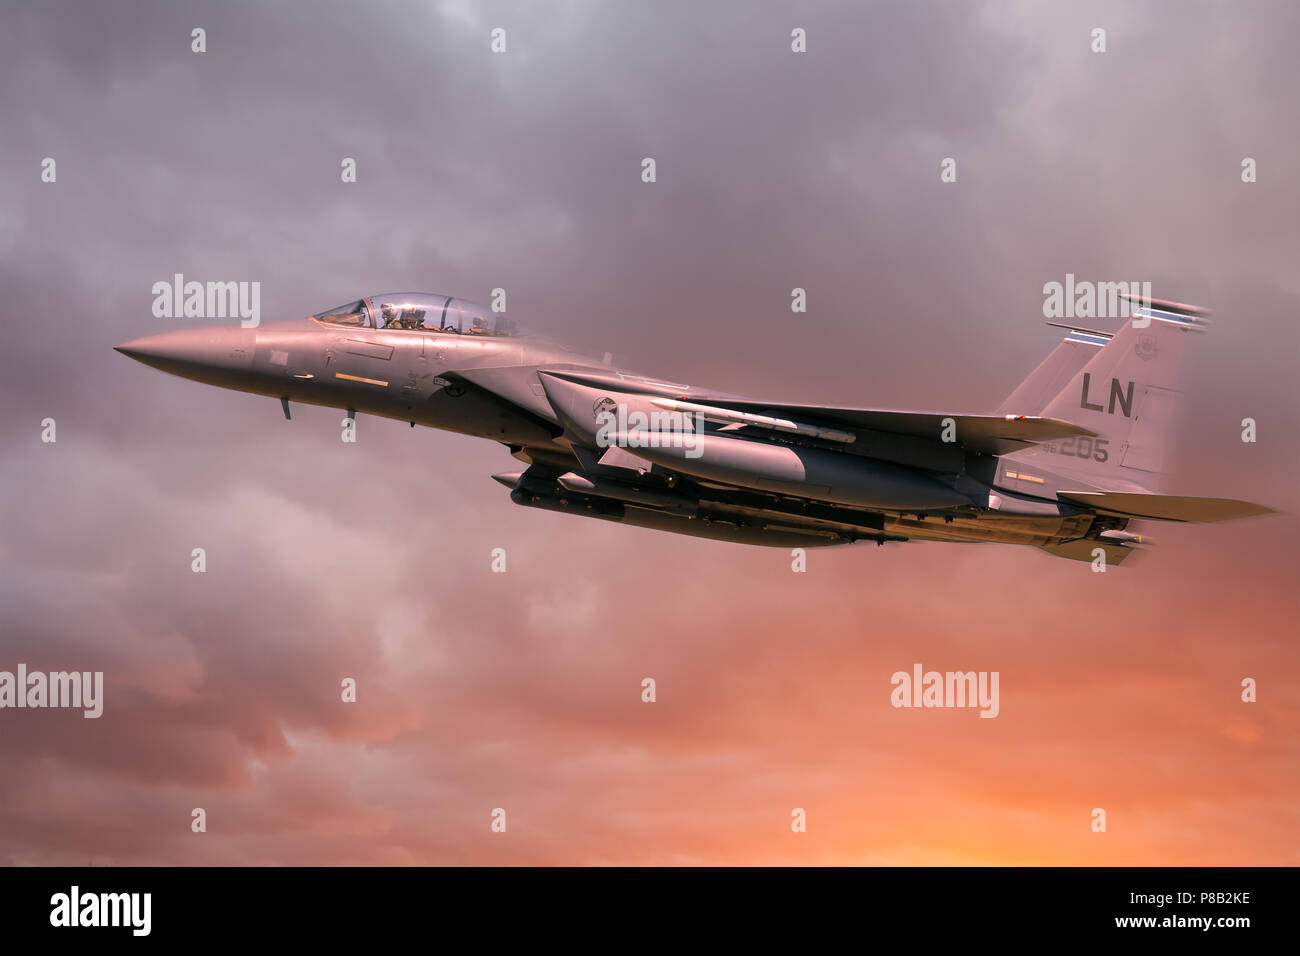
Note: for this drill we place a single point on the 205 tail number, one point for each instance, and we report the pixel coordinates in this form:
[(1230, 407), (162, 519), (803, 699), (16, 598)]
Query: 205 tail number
[(1082, 447)]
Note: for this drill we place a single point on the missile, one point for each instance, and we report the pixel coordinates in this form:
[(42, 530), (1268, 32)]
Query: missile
[(731, 416), (794, 470), (1126, 537)]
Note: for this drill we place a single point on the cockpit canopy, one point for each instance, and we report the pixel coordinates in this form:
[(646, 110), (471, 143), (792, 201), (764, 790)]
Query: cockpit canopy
[(416, 311)]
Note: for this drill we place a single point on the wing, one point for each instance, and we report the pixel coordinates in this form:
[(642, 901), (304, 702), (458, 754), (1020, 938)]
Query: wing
[(985, 434)]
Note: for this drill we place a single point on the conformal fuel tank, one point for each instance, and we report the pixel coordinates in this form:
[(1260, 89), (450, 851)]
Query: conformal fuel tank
[(795, 470)]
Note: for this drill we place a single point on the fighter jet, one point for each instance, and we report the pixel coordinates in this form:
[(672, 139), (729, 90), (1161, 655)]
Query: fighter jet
[(1066, 464)]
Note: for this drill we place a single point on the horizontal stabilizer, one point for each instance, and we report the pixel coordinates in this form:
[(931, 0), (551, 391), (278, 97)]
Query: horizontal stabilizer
[(1165, 507)]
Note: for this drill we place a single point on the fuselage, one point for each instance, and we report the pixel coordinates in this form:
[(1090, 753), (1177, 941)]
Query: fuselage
[(399, 374), (444, 363)]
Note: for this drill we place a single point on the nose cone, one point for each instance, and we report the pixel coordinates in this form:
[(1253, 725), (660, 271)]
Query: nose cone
[(215, 354)]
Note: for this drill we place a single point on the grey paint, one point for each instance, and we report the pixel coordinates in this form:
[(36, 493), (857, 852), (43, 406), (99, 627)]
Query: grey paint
[(883, 475)]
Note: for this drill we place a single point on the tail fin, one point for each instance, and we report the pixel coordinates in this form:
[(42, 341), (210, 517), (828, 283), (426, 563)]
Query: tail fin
[(1054, 372), (1128, 393)]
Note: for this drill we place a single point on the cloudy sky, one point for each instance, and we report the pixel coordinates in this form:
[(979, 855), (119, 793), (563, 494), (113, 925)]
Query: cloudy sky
[(522, 690)]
